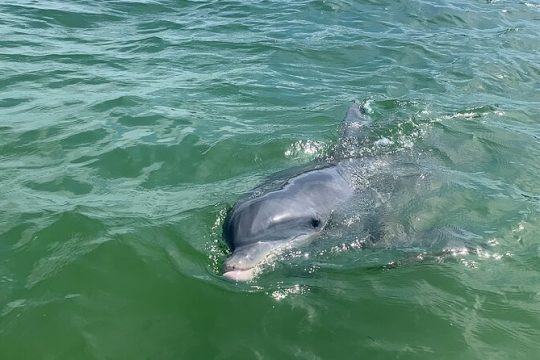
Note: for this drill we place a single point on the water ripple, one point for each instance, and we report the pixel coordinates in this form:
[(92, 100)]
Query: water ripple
[(128, 128)]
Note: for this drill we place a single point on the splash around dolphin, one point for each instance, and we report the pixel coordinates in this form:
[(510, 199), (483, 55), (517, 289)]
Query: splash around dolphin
[(292, 215)]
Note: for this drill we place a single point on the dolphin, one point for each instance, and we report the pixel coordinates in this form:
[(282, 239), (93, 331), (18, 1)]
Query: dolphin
[(294, 213)]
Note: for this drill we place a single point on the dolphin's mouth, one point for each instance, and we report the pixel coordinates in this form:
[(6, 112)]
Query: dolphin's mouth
[(241, 275), (246, 262), (235, 269)]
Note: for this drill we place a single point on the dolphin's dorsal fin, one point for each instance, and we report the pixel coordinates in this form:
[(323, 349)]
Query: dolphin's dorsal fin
[(353, 130), (354, 121)]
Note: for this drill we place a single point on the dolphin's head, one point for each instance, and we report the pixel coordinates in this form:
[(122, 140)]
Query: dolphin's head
[(260, 228)]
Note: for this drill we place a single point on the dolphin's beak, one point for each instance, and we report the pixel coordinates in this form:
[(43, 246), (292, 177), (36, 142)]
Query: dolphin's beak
[(241, 275), (245, 262)]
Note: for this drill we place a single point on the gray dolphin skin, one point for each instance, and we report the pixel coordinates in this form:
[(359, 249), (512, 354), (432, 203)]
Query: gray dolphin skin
[(262, 227)]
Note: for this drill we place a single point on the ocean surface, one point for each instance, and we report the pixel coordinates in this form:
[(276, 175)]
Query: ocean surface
[(129, 128)]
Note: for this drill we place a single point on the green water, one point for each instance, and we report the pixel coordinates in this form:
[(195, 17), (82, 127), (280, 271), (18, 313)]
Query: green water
[(128, 128)]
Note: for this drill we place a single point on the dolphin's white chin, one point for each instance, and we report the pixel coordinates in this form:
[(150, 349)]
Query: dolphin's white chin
[(241, 275)]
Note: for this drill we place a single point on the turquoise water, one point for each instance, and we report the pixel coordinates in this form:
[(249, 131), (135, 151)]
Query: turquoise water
[(128, 128)]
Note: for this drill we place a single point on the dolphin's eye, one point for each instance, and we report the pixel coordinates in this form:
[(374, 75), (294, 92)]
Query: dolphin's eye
[(315, 222)]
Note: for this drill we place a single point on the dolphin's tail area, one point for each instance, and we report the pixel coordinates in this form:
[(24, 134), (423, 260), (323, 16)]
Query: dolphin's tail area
[(353, 130)]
